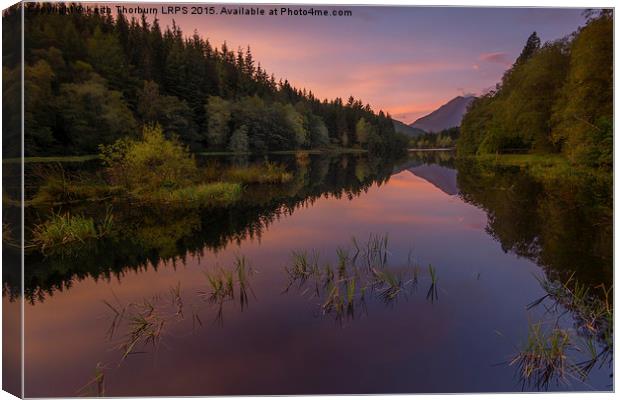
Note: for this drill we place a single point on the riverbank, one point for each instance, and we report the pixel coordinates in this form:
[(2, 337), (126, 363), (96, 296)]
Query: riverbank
[(90, 157), (433, 149)]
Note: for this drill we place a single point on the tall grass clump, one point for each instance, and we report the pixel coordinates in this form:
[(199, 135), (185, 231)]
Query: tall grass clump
[(360, 270), (204, 194), (544, 356), (64, 229), (229, 284), (59, 187), (268, 172), (558, 354)]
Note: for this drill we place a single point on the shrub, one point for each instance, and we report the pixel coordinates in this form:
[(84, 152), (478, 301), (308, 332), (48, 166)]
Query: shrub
[(151, 163)]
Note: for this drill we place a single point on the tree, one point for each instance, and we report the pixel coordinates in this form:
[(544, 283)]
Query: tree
[(38, 112), (92, 114), (584, 111), (218, 112), (362, 130), (174, 116), (319, 136), (239, 140), (531, 46)]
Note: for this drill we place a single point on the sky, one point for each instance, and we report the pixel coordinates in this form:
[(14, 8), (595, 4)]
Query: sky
[(407, 61)]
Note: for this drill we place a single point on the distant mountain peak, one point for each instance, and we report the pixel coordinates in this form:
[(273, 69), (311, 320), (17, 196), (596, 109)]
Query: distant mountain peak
[(447, 116)]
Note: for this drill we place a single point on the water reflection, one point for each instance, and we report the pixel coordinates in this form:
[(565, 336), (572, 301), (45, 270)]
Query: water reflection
[(145, 236), (441, 320)]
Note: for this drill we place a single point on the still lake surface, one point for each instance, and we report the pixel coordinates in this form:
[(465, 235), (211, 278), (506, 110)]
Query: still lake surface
[(488, 247)]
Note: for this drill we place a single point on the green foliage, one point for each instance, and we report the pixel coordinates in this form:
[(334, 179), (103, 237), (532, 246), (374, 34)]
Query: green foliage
[(92, 114), (239, 140), (38, 114), (584, 112), (149, 164), (66, 230), (362, 131), (218, 129), (60, 188), (172, 114), (90, 76), (204, 194), (555, 98), (531, 46), (443, 140), (319, 136), (268, 172)]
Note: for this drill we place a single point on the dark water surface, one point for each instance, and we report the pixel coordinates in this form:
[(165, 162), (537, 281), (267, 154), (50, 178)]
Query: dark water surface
[(487, 236)]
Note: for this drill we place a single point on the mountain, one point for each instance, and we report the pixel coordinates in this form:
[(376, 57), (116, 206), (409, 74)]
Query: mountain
[(401, 127), (447, 116), (442, 178)]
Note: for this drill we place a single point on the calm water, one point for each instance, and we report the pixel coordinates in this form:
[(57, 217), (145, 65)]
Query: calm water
[(482, 233)]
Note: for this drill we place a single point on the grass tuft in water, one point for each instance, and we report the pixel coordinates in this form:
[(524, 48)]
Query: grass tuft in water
[(544, 356)]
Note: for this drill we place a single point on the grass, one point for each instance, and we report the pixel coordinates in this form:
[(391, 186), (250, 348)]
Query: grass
[(205, 194), (325, 150), (374, 251), (432, 293), (66, 229), (268, 172), (224, 283), (592, 307), (544, 356), (146, 327), (542, 166), (60, 188), (360, 269), (51, 159), (96, 386)]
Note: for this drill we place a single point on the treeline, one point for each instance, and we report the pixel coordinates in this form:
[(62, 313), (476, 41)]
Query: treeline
[(557, 97), (441, 140), (91, 79)]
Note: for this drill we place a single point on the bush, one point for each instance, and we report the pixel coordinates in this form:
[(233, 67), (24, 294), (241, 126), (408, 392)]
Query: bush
[(151, 163)]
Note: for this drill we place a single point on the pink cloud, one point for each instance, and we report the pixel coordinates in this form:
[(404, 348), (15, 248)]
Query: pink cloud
[(498, 57)]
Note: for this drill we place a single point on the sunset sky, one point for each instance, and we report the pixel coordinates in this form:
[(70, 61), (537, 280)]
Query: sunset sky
[(405, 60)]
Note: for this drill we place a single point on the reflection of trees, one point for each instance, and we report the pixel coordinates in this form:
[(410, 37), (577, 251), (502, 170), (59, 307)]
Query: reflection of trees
[(563, 222), (149, 235)]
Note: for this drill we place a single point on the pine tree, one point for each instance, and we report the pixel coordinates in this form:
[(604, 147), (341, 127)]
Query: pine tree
[(531, 46)]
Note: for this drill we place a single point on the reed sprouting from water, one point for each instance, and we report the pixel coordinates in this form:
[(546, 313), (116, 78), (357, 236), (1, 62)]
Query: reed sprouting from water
[(544, 357), (143, 325), (227, 285), (432, 293), (360, 269), (96, 386), (557, 354)]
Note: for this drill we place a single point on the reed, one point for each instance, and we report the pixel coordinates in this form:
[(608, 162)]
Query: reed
[(96, 386), (543, 358)]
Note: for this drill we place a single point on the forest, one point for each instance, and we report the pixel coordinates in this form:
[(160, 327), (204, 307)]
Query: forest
[(91, 79), (446, 139), (556, 98)]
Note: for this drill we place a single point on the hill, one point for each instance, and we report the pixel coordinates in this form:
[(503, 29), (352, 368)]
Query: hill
[(401, 127), (447, 116)]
